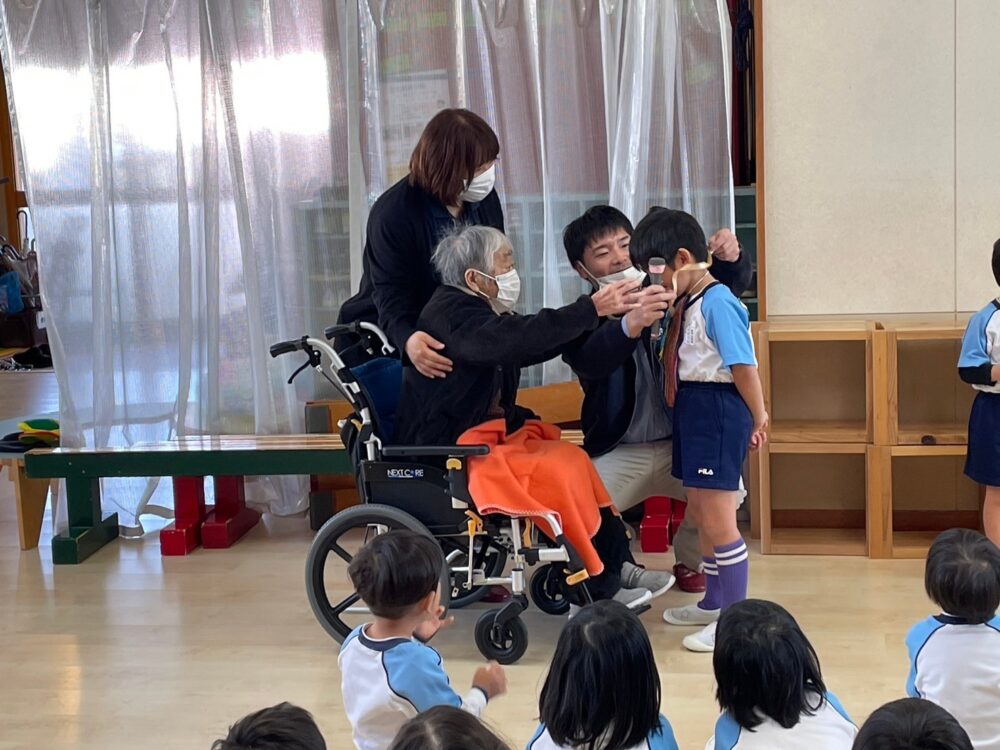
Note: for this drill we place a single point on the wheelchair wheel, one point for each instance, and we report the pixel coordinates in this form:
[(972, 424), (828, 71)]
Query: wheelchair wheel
[(547, 590), (504, 643), (492, 558), (331, 552)]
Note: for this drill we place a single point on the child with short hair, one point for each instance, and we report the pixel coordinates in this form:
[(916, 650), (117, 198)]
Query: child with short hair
[(280, 727), (979, 365), (447, 728), (955, 656), (389, 674), (912, 724), (770, 687), (713, 385), (602, 691)]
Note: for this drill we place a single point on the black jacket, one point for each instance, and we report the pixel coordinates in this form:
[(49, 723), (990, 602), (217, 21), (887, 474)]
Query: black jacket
[(404, 227), (488, 352), (603, 362)]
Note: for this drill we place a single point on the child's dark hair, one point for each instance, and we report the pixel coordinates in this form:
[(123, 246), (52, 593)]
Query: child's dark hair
[(664, 231), (912, 724), (396, 570), (446, 728), (996, 261), (962, 575), (281, 727), (602, 691), (765, 665), (596, 223)]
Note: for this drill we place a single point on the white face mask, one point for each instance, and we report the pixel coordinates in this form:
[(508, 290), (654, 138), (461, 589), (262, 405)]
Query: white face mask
[(481, 185), (631, 273), (509, 285)]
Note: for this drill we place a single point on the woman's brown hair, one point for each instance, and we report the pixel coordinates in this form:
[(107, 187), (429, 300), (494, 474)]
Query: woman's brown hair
[(455, 143)]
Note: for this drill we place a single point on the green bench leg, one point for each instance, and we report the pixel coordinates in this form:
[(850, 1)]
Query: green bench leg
[(88, 531)]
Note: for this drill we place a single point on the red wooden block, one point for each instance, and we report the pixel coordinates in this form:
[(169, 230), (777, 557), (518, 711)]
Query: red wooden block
[(231, 518), (184, 534), (654, 534)]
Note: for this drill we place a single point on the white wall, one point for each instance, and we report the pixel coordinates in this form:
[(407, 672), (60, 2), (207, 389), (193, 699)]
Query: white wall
[(882, 155)]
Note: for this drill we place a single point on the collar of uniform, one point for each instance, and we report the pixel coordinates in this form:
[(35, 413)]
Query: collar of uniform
[(382, 645), (945, 619)]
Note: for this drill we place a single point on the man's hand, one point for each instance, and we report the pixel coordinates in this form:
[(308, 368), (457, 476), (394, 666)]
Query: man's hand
[(724, 246), (616, 299), (491, 679), (759, 435), (653, 302), (430, 627), (422, 349)]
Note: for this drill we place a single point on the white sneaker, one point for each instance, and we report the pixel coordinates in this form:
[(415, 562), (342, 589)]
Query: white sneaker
[(703, 641), (657, 582), (692, 614)]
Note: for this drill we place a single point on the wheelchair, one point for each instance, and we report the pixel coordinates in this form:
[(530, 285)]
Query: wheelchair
[(424, 489)]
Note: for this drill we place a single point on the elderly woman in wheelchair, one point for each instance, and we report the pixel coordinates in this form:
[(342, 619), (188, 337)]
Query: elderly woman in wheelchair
[(471, 468)]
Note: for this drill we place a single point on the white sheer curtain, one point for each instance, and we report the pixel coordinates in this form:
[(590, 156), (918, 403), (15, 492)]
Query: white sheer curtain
[(200, 174)]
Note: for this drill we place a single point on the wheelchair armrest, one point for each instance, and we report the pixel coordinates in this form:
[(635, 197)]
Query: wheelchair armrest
[(452, 451)]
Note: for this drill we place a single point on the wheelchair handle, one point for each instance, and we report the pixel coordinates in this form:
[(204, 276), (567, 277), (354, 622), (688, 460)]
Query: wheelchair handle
[(287, 347), (356, 329)]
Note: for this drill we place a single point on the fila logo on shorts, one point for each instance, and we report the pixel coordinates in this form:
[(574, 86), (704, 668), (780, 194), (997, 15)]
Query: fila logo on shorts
[(706, 472)]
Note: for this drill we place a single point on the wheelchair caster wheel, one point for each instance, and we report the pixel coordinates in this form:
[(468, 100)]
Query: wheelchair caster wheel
[(547, 592), (501, 642)]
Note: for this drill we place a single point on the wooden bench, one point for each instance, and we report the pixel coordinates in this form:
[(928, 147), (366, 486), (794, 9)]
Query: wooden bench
[(29, 496)]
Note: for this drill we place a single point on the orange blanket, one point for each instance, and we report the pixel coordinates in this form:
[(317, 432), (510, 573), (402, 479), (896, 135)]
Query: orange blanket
[(532, 471)]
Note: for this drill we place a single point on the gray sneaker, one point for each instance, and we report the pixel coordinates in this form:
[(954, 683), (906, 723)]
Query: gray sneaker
[(633, 598), (657, 582)]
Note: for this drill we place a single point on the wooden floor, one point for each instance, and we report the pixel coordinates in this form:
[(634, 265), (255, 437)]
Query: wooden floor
[(130, 650)]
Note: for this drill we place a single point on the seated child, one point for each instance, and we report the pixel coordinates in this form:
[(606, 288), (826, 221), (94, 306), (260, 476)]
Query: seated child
[(446, 728), (388, 673), (770, 688), (713, 385), (911, 724), (281, 727), (602, 691), (979, 365), (955, 656)]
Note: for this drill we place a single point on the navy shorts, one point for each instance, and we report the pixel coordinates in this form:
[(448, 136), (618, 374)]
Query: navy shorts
[(712, 428), (983, 462)]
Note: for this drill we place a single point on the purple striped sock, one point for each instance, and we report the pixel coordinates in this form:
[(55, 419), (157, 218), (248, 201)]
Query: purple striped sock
[(713, 594), (734, 571)]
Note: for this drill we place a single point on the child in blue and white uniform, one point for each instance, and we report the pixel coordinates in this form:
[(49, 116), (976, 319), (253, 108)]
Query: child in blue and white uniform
[(955, 656), (979, 365), (770, 687), (713, 385), (388, 673), (602, 691)]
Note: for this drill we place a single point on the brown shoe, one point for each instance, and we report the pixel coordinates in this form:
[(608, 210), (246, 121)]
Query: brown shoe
[(689, 581)]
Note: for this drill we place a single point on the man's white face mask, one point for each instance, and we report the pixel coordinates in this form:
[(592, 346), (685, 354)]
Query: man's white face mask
[(481, 185), (631, 273)]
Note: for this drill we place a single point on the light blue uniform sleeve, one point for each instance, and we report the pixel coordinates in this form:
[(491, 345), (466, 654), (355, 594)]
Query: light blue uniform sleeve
[(664, 738), (727, 323), (415, 674), (975, 343), (727, 732), (915, 641), (837, 706)]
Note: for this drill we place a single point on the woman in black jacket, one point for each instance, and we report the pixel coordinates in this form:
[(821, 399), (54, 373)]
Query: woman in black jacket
[(451, 179), (470, 313)]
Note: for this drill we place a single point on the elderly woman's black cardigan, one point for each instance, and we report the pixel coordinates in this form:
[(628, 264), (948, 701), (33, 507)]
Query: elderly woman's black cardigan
[(488, 352)]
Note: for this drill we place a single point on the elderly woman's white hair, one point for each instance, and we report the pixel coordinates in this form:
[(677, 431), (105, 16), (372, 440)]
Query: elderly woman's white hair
[(467, 247)]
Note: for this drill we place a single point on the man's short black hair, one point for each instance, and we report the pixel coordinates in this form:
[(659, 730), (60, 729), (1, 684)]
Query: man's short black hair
[(962, 575), (664, 231), (996, 261), (602, 689), (596, 223), (912, 724), (765, 666), (281, 727), (395, 570)]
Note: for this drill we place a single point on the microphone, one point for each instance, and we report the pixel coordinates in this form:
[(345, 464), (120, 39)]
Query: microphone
[(657, 266)]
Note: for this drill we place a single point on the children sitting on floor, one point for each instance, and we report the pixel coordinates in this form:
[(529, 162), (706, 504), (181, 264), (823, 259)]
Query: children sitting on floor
[(602, 691), (281, 727), (979, 365), (770, 687), (912, 724), (955, 656), (389, 674), (447, 728)]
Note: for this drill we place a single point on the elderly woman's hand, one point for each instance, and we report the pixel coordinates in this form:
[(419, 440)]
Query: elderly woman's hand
[(616, 299)]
